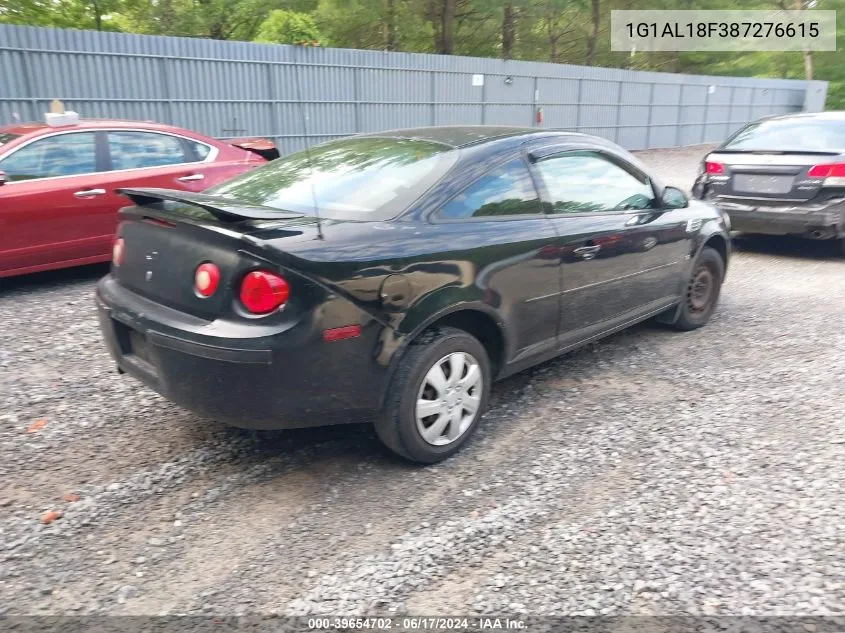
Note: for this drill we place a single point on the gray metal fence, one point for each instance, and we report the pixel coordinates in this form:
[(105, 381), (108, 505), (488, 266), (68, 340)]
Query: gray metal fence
[(307, 95)]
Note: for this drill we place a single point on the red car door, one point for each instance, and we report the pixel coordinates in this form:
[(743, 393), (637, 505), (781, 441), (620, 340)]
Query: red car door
[(52, 202), (141, 158)]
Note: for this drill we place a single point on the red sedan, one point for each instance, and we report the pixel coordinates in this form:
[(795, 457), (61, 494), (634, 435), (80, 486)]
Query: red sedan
[(58, 205)]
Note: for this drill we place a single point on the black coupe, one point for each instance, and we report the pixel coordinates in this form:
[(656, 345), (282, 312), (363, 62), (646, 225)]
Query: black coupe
[(394, 276)]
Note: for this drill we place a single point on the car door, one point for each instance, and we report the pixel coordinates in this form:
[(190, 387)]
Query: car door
[(144, 158), (51, 202), (621, 253), (512, 242)]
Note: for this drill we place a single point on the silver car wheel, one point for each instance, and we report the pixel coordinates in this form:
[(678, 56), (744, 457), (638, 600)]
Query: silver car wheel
[(449, 398)]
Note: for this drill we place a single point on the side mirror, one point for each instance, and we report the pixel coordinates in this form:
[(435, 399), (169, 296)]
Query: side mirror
[(673, 198), (2, 177)]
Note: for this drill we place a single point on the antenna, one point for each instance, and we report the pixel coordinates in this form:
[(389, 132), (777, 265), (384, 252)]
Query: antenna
[(308, 151)]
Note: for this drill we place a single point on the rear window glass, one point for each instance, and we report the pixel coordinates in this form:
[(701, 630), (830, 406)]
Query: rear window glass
[(351, 179), (5, 137), (785, 135)]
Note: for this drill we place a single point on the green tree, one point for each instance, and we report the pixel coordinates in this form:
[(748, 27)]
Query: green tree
[(76, 14), (288, 27), (397, 25)]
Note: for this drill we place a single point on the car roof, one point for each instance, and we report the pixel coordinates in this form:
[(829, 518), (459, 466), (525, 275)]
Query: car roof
[(820, 116), (39, 128), (457, 136)]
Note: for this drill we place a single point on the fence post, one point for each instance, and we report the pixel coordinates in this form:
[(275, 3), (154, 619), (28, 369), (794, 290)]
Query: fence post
[(27, 85), (678, 122), (706, 112), (730, 124), (617, 130), (578, 104), (432, 96), (356, 96), (165, 85), (484, 101), (273, 97), (535, 107), (650, 116)]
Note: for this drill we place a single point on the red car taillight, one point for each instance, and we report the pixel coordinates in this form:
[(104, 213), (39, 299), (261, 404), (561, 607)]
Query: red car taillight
[(117, 252), (263, 291), (714, 168), (206, 279), (833, 174)]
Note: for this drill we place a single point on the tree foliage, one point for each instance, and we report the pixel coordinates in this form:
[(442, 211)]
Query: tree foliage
[(288, 27), (563, 31)]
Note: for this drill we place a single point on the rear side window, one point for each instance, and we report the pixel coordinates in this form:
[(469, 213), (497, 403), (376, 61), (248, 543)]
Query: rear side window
[(60, 155), (137, 150), (364, 178), (200, 150), (507, 190), (790, 135), (5, 137), (586, 182)]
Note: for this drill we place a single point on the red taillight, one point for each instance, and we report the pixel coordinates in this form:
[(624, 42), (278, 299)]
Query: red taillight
[(263, 291), (206, 279), (117, 252), (830, 170), (714, 168)]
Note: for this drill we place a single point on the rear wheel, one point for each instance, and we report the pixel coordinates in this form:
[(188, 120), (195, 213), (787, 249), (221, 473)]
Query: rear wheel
[(437, 396), (702, 291)]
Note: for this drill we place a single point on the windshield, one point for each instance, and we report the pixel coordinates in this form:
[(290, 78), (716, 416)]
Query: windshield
[(790, 135), (367, 178), (5, 137)]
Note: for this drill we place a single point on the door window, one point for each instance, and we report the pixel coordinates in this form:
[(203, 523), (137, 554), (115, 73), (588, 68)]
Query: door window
[(588, 182), (507, 190), (60, 155), (137, 150)]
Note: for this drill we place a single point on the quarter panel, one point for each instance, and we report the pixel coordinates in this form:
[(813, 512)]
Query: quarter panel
[(511, 266), (508, 266)]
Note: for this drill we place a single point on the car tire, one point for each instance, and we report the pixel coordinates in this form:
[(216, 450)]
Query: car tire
[(403, 426), (701, 293)]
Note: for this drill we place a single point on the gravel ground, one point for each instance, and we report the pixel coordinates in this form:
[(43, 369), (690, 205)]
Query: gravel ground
[(652, 473)]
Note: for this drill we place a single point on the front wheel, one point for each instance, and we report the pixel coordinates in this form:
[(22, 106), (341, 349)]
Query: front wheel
[(701, 293), (437, 396)]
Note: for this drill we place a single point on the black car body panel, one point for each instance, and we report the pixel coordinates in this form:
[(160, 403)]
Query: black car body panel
[(776, 191), (529, 286)]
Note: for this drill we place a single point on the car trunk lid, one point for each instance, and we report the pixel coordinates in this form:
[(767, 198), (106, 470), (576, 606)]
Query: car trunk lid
[(169, 234), (768, 177)]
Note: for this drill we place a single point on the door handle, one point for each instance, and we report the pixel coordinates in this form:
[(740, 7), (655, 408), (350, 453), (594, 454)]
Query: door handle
[(191, 178), (90, 193), (587, 252)]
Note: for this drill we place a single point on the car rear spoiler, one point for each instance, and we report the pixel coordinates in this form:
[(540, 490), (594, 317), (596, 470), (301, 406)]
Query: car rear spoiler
[(226, 211), (261, 146), (221, 208)]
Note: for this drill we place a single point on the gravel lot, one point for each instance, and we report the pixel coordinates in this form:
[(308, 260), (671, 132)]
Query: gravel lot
[(652, 473)]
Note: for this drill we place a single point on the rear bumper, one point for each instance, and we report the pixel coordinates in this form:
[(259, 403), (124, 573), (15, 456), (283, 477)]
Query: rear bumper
[(815, 222), (285, 379)]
